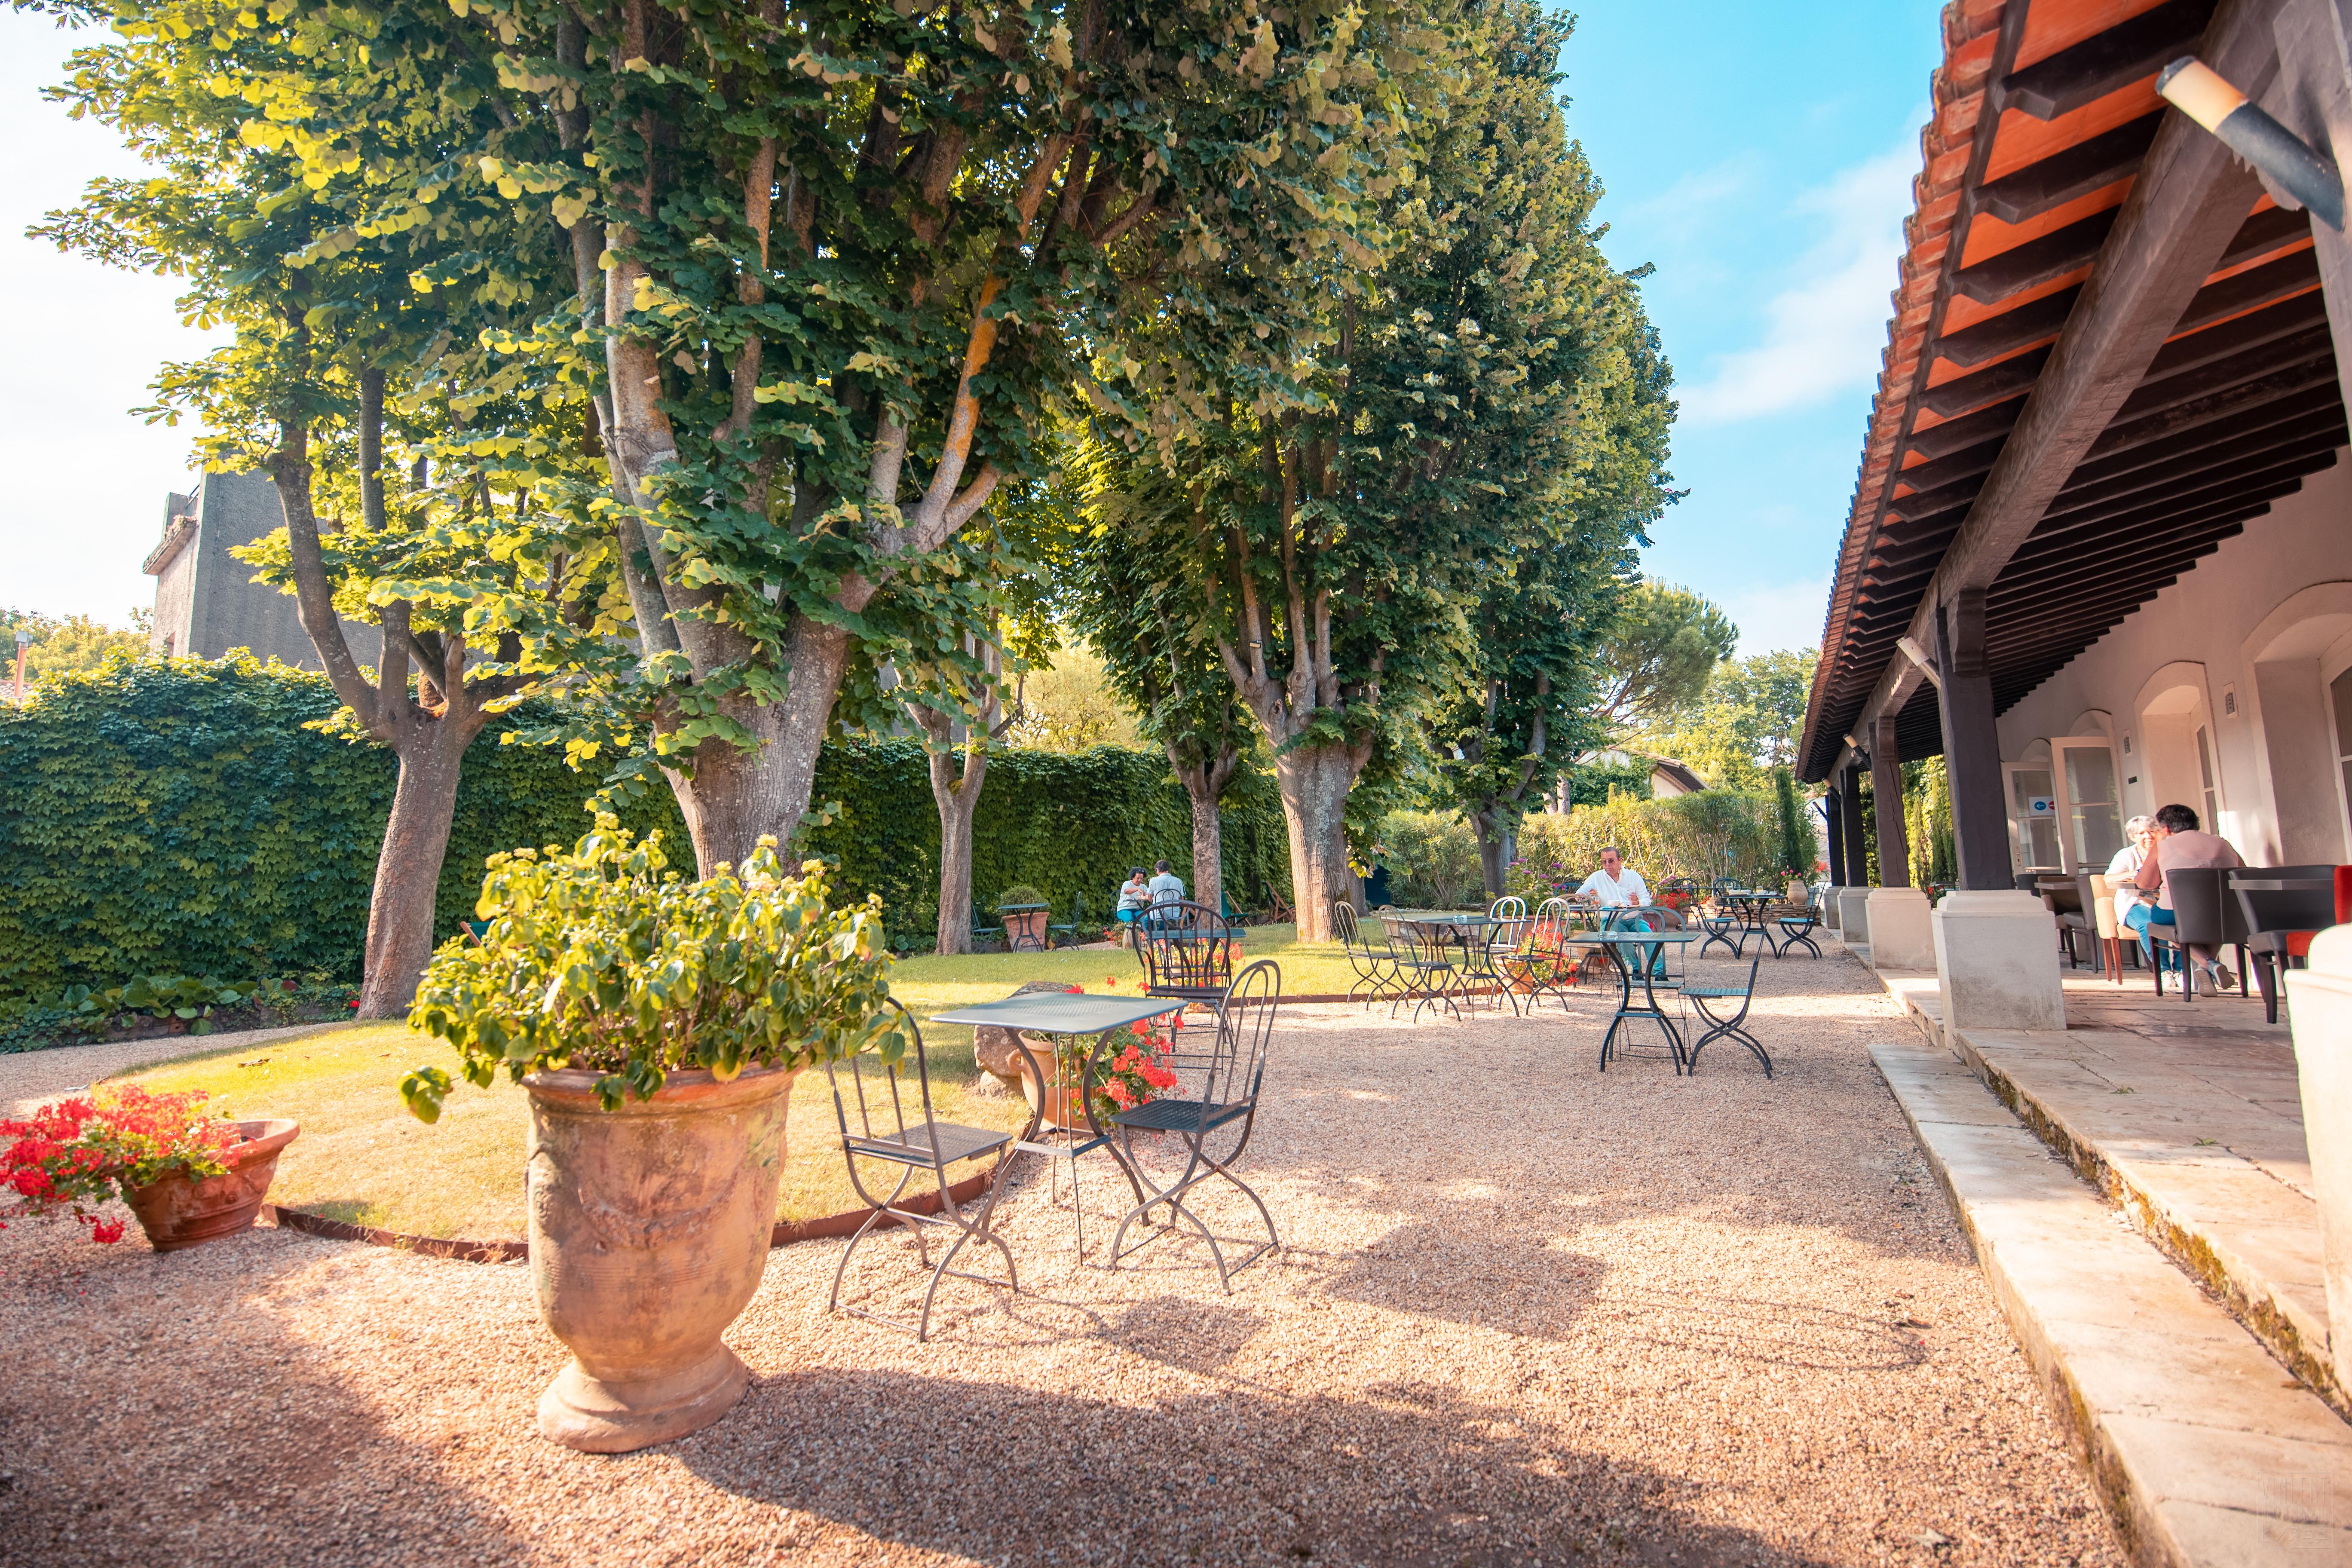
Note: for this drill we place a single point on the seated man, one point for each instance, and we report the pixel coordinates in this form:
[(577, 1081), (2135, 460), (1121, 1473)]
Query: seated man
[(1166, 888), (2181, 845), (1617, 886)]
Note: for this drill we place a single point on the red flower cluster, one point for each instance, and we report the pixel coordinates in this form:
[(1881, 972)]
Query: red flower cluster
[(1140, 1070), (84, 1150)]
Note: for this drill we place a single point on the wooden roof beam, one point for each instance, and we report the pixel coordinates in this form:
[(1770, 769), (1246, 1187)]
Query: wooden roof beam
[(2190, 201), (2086, 166), (2117, 58)]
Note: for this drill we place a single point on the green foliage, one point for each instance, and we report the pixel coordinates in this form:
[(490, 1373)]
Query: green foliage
[(1431, 856), (61, 644), (1021, 893), (1597, 784), (178, 817), (1927, 822), (605, 959), (1065, 824), (1744, 723), (1714, 833), (1799, 848), (1659, 656)]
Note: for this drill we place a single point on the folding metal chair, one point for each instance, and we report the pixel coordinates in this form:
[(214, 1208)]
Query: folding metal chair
[(1485, 961), (1424, 967), (1798, 923), (1187, 951), (1219, 1088), (1375, 966), (885, 1134), (1733, 1026)]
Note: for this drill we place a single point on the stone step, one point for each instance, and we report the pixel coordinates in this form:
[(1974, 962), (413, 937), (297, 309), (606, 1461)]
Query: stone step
[(2203, 1450), (2198, 1140)]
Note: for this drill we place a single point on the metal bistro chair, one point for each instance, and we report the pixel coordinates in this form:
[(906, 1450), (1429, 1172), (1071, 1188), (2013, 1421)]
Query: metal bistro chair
[(1219, 1088), (1070, 933), (2284, 907), (1540, 959), (1375, 966), (1732, 1028), (1668, 968), (1720, 925), (1187, 950), (885, 1133), (1797, 923), (1424, 967), (1485, 961)]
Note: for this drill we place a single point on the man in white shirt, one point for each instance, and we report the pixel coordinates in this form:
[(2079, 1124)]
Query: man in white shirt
[(1616, 887), (1613, 887)]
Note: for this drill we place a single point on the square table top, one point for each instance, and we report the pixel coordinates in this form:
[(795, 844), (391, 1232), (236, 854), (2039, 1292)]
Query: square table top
[(1441, 918), (1063, 1013)]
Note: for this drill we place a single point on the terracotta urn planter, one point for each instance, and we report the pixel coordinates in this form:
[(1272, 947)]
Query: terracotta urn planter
[(649, 1229), (1024, 930), (183, 1211)]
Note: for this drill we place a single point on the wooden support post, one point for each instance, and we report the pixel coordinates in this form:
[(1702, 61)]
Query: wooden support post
[(2312, 97), (1857, 851), (1886, 791), (1971, 744), (1832, 813)]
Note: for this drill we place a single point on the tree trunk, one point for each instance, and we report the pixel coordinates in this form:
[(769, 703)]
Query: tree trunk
[(734, 796), (1496, 849), (408, 870), (1204, 784), (958, 794), (1315, 780)]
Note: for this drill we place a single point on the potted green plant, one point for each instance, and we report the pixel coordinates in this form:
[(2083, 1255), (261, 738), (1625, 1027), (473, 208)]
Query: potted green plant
[(1024, 911), (657, 1023), (190, 1178)]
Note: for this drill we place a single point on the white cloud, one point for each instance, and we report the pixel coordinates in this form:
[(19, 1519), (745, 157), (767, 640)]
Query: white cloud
[(1823, 332), (1778, 615)]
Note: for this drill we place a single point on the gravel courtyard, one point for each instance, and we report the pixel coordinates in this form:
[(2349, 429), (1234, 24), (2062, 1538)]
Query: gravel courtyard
[(1525, 1314)]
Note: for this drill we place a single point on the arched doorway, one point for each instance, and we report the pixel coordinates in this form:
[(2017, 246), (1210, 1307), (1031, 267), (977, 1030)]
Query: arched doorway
[(2179, 760)]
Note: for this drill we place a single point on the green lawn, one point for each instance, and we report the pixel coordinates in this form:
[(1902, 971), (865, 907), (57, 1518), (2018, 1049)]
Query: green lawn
[(363, 1158)]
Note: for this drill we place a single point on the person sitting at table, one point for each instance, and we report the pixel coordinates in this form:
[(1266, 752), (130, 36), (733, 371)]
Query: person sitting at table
[(1617, 886), (2182, 845), (2139, 833), (1167, 888), (1134, 896)]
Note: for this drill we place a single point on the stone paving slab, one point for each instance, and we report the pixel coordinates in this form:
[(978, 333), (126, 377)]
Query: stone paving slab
[(2199, 1140), (2203, 1451)]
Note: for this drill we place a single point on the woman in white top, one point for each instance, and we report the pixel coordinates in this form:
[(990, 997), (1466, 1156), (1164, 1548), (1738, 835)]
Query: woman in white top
[(2139, 834)]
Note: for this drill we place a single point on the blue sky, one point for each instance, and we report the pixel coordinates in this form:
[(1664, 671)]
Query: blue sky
[(1759, 154)]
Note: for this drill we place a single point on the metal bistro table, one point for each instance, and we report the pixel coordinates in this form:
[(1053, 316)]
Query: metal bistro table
[(1433, 931), (1066, 1014), (1614, 943), (1750, 904)]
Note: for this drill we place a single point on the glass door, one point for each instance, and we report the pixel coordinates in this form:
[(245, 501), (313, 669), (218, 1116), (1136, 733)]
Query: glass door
[(2090, 808), (2033, 817)]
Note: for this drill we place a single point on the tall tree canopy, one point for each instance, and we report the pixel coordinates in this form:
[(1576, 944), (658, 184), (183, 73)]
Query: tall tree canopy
[(1493, 393), (1659, 656)]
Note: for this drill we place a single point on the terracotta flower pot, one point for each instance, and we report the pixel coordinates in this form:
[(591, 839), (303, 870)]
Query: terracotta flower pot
[(1061, 1103), (1024, 928), (183, 1211), (649, 1229)]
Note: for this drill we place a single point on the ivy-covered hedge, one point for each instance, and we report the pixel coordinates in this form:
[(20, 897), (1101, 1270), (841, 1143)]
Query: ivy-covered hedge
[(174, 816), (1066, 823)]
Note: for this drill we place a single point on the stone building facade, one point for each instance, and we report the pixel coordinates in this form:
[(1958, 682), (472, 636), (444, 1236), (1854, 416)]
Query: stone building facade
[(206, 600)]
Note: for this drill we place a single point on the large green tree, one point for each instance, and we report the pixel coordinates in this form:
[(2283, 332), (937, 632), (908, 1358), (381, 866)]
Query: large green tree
[(1330, 536), (1743, 722)]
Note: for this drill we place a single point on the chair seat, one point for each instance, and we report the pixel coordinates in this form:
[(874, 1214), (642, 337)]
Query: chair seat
[(1179, 1115), (914, 1147), (1713, 993)]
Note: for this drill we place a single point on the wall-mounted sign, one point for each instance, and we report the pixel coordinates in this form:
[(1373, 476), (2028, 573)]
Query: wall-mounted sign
[(2041, 805)]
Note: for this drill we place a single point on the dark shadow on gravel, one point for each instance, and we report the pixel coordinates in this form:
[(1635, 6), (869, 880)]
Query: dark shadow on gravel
[(1410, 1475), (151, 1415)]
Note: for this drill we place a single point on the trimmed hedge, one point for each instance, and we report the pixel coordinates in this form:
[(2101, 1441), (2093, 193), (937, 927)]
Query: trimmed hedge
[(176, 817)]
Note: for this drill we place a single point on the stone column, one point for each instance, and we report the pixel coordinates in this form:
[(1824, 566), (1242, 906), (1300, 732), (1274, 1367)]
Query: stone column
[(1857, 853), (1971, 744), (2320, 999), (1997, 962), (1853, 915), (1900, 937), (1887, 792), (1832, 813)]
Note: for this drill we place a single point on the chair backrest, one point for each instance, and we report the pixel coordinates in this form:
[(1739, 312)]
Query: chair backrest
[(1510, 911), (880, 1091), (2102, 904), (2285, 897), (2343, 895), (2062, 895), (2203, 912), (1246, 1025), (1184, 946), (1343, 924)]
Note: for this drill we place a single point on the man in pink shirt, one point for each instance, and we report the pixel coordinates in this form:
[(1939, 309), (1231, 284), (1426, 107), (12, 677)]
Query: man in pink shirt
[(2180, 846)]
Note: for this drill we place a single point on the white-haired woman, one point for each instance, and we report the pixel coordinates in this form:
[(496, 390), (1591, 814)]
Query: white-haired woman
[(2139, 840)]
